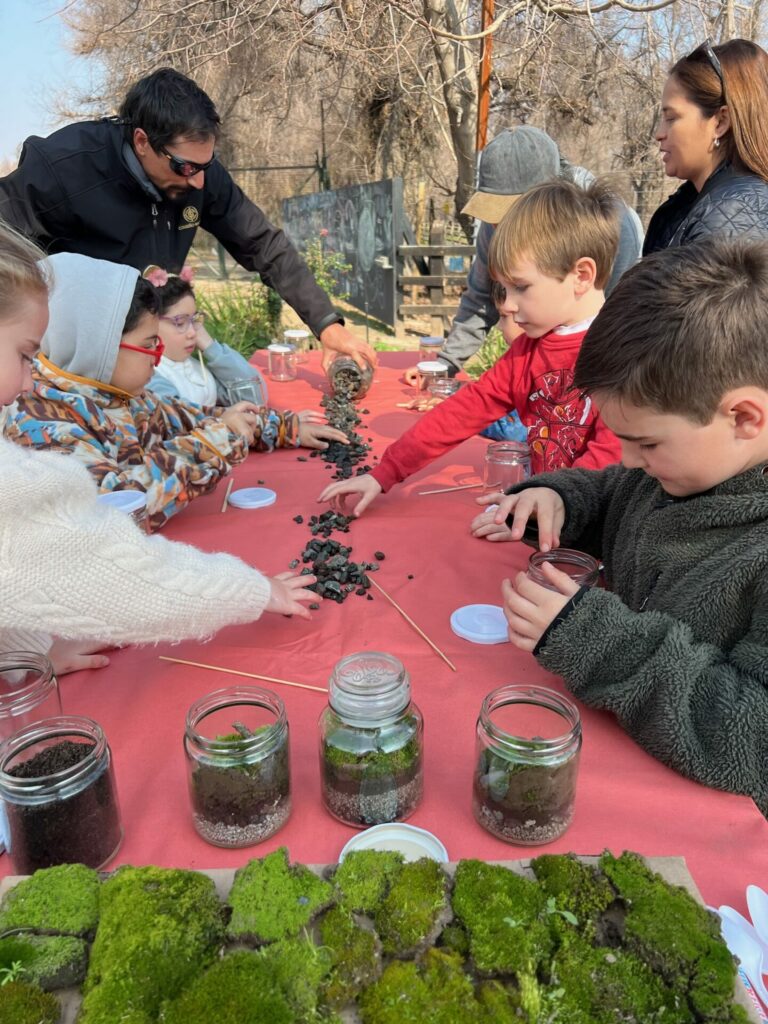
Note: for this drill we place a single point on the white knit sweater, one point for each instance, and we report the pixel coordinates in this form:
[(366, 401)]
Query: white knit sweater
[(72, 568)]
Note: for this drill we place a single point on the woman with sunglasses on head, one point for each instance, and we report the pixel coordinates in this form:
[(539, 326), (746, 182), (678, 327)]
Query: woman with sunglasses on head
[(713, 133)]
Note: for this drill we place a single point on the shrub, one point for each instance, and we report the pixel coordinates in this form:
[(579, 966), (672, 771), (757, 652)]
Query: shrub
[(245, 316)]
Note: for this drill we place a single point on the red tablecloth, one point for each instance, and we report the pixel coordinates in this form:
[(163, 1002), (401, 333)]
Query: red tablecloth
[(626, 799)]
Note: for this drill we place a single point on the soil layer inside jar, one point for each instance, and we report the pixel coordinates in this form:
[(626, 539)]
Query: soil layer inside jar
[(83, 828), (240, 795)]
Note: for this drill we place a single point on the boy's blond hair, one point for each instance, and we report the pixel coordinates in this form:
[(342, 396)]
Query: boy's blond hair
[(22, 275), (556, 224)]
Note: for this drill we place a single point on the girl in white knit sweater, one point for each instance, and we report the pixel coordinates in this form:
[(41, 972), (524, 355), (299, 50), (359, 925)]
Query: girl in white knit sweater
[(73, 569)]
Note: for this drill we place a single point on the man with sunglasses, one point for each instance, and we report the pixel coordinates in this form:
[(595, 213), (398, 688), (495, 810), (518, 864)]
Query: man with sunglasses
[(134, 188)]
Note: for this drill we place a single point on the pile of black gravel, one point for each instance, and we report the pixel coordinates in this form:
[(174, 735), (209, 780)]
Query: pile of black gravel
[(343, 415)]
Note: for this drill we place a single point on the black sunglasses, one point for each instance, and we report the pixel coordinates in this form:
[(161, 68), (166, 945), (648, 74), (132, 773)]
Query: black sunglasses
[(709, 53), (184, 168)]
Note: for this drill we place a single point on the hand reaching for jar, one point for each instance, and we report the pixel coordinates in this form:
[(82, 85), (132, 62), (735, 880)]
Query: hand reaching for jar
[(530, 608)]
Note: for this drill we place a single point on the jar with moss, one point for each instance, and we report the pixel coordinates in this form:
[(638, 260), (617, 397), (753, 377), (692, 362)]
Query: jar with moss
[(371, 742), (348, 380), (236, 744), (526, 765)]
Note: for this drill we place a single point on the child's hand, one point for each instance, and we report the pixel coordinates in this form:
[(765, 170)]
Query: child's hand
[(365, 486), (312, 416), (540, 503), (241, 421), (317, 435), (530, 608), (287, 591), (203, 340), (76, 655), (485, 525)]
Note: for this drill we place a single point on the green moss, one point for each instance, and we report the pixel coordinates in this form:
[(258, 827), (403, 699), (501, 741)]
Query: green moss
[(576, 887), (505, 917), (354, 954), (62, 899), (455, 939), (374, 763), (436, 992), (236, 990), (364, 877), (49, 961), (499, 1003), (158, 930), (410, 910), (22, 1003), (270, 899), (676, 936), (299, 968)]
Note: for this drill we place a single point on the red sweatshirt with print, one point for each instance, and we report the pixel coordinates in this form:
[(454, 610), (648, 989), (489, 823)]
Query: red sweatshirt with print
[(535, 377)]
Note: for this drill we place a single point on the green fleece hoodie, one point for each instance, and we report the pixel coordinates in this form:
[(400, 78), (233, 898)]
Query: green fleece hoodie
[(677, 644)]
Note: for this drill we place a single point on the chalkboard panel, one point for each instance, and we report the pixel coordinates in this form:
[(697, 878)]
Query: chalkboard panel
[(364, 223)]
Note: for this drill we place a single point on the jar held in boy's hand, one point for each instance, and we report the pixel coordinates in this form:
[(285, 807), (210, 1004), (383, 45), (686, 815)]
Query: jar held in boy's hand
[(506, 463), (581, 567)]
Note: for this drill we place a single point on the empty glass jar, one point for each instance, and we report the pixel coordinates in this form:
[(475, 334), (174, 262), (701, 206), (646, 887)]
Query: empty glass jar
[(444, 387), (28, 691), (526, 765), (347, 379), (581, 567), (506, 463), (429, 372), (236, 742), (281, 362), (301, 341), (248, 389), (371, 742)]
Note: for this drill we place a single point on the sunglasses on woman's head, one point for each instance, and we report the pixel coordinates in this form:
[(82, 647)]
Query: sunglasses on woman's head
[(184, 168), (714, 61)]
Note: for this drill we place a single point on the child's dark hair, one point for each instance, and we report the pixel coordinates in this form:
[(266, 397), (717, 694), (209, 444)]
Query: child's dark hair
[(167, 106), (170, 293), (682, 327), (145, 300)]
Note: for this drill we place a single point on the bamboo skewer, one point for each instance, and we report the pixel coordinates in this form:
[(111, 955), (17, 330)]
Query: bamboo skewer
[(227, 494), (410, 622), (459, 487), (237, 672)]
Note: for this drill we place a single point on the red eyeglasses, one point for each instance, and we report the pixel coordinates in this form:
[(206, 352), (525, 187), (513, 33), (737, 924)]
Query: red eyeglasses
[(155, 353)]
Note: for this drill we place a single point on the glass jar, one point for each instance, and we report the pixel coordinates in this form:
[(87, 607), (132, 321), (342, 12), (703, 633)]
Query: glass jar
[(281, 362), (132, 503), (371, 742), (59, 797), (582, 568), (28, 691), (300, 339), (527, 761), (429, 372), (347, 379), (247, 389), (429, 347), (236, 742), (506, 463), (444, 387)]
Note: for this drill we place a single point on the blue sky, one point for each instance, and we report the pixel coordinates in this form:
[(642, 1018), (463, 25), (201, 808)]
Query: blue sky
[(36, 67)]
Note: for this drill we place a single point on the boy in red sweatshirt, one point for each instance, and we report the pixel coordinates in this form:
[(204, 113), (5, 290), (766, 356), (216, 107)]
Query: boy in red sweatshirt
[(551, 256)]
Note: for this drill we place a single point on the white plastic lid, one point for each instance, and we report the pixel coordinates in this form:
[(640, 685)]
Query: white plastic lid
[(414, 843), (276, 347), (252, 497), (433, 341), (432, 366), (295, 333), (124, 501), (480, 623)]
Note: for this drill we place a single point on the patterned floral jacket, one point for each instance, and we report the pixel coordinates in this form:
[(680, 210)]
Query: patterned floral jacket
[(172, 451)]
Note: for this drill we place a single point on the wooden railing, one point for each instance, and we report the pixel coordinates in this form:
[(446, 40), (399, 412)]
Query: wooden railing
[(430, 261)]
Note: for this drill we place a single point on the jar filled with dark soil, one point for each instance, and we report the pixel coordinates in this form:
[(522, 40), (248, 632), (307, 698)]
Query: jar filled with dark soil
[(28, 691), (527, 762), (236, 742), (58, 790), (371, 742), (581, 567), (347, 379)]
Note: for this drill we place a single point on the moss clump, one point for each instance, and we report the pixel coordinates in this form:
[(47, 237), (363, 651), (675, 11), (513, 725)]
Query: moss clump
[(355, 957), (271, 900), (57, 961), (498, 1003), (299, 969), (435, 992), (505, 917), (21, 1003), (374, 763), (411, 911), (364, 877), (576, 887), (158, 930), (60, 899), (674, 935), (455, 939)]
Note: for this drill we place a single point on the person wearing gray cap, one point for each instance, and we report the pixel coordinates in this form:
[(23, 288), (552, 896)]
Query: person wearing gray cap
[(515, 161)]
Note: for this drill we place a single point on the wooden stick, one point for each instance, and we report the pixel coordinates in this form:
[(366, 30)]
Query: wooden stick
[(410, 622), (236, 672), (460, 487), (227, 494)]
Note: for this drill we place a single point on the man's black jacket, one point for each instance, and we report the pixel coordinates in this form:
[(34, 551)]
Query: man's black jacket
[(83, 190)]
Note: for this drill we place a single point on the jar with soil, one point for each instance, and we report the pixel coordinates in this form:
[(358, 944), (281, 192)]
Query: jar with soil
[(582, 568), (236, 743), (347, 379), (28, 691), (527, 761), (371, 742), (59, 797)]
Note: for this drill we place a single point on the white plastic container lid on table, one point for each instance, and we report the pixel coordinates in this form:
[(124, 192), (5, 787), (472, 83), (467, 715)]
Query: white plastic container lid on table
[(252, 497), (480, 623), (409, 840), (124, 501)]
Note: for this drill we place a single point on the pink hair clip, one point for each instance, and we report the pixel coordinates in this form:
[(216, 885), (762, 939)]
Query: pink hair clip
[(187, 274), (156, 276)]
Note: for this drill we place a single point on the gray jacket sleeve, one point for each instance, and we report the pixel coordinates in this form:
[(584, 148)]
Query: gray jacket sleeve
[(702, 711), (163, 388), (477, 313), (227, 365), (630, 246)]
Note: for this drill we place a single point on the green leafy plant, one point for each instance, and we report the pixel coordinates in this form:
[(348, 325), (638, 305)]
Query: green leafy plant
[(489, 353), (243, 316), (328, 266), (566, 915), (12, 973)]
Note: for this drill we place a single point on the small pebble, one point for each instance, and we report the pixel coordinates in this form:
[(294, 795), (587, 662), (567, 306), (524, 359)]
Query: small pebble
[(369, 597), (379, 556), (410, 575), (314, 606), (298, 519), (302, 458)]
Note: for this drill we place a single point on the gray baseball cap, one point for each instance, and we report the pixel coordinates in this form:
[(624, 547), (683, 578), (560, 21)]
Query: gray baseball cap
[(515, 161)]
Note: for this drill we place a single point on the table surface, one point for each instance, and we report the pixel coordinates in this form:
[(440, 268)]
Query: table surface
[(626, 799)]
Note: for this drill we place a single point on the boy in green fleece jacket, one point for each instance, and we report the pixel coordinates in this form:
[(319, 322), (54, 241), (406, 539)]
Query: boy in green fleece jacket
[(677, 644)]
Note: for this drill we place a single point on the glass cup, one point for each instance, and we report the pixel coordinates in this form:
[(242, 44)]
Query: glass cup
[(301, 341), (444, 387), (282, 362), (429, 371), (248, 389), (506, 463), (581, 567), (28, 691)]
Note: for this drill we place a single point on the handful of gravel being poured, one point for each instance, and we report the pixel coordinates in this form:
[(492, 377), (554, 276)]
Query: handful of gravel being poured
[(326, 558)]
